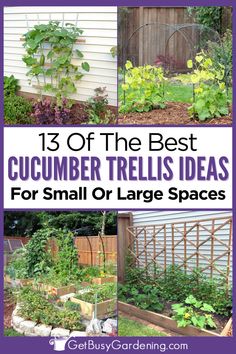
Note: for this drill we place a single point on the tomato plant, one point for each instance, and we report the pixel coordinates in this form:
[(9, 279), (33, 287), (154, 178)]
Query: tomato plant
[(210, 96), (49, 55), (143, 89)]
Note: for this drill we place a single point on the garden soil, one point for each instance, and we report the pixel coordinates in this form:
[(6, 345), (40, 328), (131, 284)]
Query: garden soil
[(9, 305), (175, 113)]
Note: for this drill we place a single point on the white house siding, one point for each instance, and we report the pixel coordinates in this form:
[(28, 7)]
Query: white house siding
[(100, 33), (141, 218)]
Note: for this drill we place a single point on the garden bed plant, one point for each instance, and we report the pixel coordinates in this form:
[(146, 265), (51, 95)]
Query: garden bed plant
[(35, 307), (104, 296), (188, 299), (148, 96)]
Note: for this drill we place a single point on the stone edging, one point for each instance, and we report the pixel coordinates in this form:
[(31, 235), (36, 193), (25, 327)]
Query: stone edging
[(32, 329)]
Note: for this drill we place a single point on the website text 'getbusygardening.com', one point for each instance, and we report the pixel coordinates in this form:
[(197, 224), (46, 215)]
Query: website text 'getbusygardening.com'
[(116, 344)]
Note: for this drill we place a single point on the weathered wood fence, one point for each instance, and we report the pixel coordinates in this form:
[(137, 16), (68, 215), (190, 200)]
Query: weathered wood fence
[(157, 41), (90, 248), (204, 244)]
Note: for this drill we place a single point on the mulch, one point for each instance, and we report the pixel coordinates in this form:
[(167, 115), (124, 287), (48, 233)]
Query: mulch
[(175, 113), (9, 305)]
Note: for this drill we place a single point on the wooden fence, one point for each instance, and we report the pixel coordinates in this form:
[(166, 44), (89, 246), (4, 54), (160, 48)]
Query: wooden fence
[(92, 248), (150, 42), (158, 41), (205, 244)]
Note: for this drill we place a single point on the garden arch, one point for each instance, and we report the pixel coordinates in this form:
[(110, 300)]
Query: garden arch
[(169, 46)]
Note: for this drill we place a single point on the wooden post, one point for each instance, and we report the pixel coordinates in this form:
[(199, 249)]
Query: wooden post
[(145, 249), (212, 245), (124, 221), (173, 245), (154, 249), (197, 254), (185, 248), (165, 248), (229, 256)]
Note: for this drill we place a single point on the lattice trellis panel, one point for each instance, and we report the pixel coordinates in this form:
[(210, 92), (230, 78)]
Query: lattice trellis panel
[(205, 244), (147, 245)]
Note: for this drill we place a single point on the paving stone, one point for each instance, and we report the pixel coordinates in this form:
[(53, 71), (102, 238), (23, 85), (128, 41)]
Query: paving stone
[(42, 330), (16, 320), (60, 332), (27, 327)]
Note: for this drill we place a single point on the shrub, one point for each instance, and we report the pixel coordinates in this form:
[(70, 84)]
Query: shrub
[(47, 112), (222, 54), (17, 110), (97, 108), (11, 85), (143, 88)]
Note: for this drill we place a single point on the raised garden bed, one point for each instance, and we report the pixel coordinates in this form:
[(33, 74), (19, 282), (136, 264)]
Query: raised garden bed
[(170, 324), (104, 308), (106, 279), (59, 291), (17, 282)]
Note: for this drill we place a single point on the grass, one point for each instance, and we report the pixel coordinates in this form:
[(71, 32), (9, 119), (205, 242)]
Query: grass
[(130, 328), (178, 93), (10, 332)]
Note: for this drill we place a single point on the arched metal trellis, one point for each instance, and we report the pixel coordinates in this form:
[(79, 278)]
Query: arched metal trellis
[(169, 46)]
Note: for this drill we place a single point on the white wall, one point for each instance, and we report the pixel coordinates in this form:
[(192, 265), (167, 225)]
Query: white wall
[(141, 218), (100, 32)]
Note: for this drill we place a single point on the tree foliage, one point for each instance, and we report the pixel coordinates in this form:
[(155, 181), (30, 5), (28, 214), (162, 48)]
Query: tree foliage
[(80, 223)]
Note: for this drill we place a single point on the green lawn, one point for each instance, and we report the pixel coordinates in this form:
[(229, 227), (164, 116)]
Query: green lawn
[(178, 93), (10, 332), (130, 328)]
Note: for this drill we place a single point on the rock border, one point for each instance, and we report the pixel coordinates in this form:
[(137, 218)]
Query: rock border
[(33, 329)]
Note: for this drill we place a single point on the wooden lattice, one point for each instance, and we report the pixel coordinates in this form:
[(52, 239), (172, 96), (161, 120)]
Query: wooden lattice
[(186, 241), (150, 235)]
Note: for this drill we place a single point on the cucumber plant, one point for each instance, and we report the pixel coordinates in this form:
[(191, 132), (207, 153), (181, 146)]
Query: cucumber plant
[(193, 312), (210, 97), (143, 89), (50, 49)]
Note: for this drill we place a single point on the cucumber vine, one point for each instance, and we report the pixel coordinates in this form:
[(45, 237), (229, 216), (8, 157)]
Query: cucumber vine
[(50, 50)]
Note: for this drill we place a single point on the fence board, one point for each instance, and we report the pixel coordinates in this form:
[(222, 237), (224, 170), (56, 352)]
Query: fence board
[(150, 41)]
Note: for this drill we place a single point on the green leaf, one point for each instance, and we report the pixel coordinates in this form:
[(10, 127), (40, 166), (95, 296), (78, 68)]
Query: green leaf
[(79, 53), (85, 66)]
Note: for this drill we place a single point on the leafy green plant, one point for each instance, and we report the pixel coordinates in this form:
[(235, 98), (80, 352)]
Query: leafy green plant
[(209, 16), (38, 257), (17, 110), (210, 96), (222, 53), (104, 292), (35, 307), (97, 109), (146, 297), (17, 268), (50, 52), (193, 312), (143, 89), (11, 85)]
